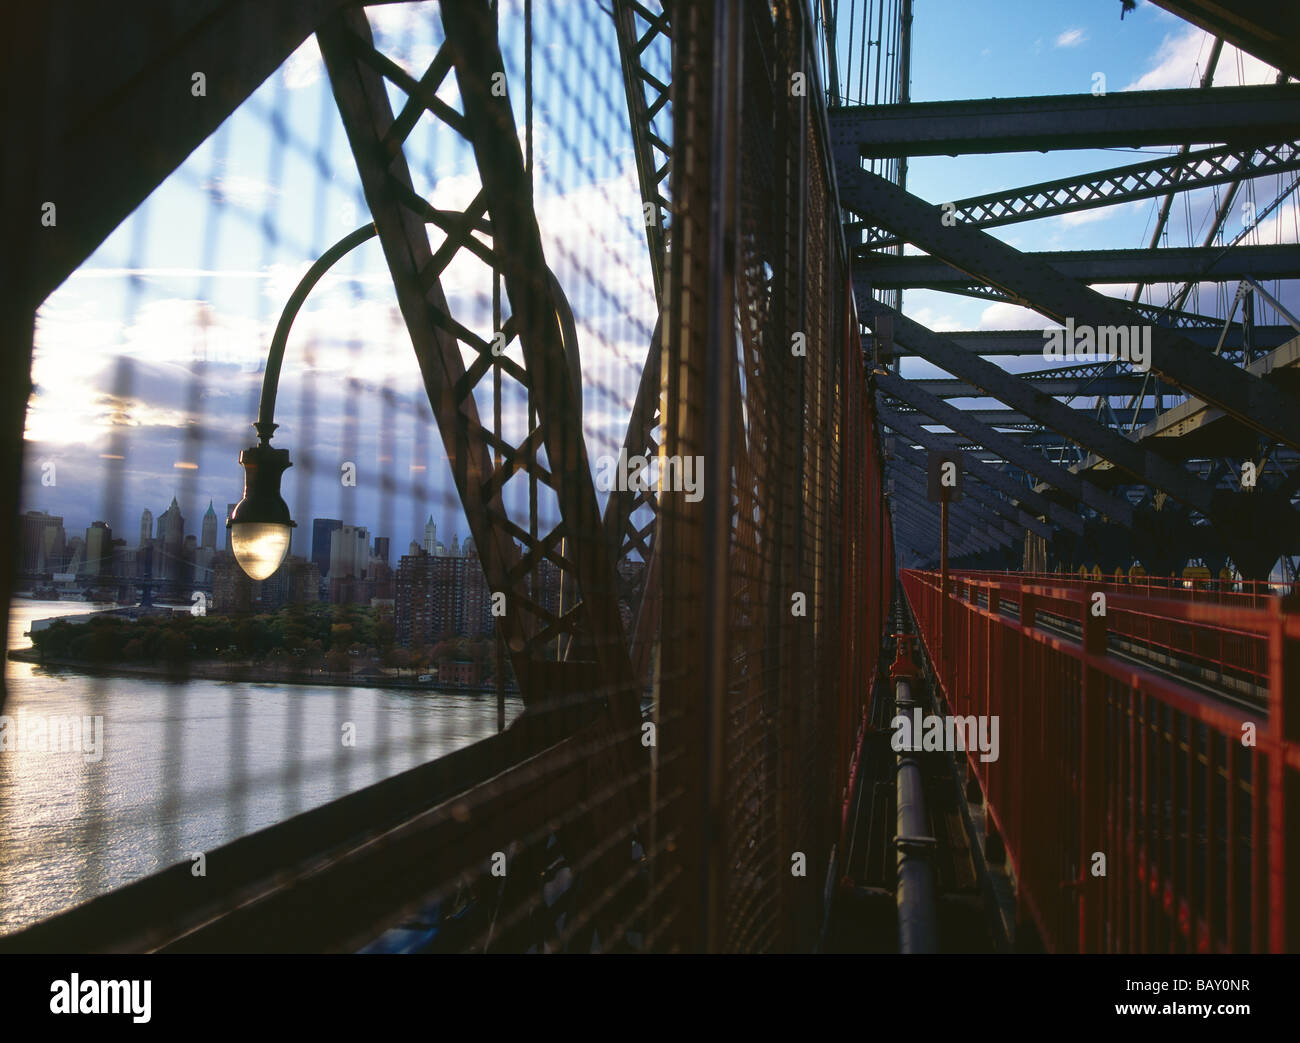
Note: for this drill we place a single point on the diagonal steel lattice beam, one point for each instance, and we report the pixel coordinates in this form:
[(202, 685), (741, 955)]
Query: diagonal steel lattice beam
[(1231, 115), (1019, 422), (1030, 342), (1182, 172), (505, 203), (1249, 398), (1075, 386), (638, 29), (1071, 484), (1197, 263)]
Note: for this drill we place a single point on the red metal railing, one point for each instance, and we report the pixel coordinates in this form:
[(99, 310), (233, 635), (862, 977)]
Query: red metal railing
[(1230, 592), (1138, 814), (1221, 650)]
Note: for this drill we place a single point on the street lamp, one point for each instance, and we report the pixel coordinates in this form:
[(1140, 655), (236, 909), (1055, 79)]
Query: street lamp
[(260, 524)]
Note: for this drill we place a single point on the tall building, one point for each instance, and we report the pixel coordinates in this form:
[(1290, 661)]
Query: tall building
[(296, 582), (42, 543), (170, 543), (230, 509), (232, 590), (146, 527), (73, 558), (185, 569), (440, 596), (99, 550), (321, 530), (209, 539), (380, 550), (349, 552)]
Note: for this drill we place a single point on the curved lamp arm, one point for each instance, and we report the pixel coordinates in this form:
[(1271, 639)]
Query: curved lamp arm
[(266, 424), (271, 379)]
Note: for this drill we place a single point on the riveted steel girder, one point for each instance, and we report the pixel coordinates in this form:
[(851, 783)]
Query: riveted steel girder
[(357, 73), (969, 511), (1030, 342), (1144, 464), (1197, 263), (909, 427), (1008, 448), (962, 528), (1249, 398), (1182, 172), (1004, 508), (1228, 115)]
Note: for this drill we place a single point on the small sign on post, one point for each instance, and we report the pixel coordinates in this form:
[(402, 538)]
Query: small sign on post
[(945, 476)]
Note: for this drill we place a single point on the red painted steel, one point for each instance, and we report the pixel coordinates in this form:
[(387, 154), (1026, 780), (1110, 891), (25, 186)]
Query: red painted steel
[(1193, 801), (868, 567)]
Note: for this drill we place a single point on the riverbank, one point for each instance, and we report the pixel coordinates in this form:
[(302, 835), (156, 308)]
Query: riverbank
[(246, 673)]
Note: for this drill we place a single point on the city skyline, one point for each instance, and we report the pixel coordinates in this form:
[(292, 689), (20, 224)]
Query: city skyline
[(302, 531)]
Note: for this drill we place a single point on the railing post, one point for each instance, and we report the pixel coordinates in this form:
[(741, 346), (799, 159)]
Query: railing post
[(1283, 780), (1092, 783)]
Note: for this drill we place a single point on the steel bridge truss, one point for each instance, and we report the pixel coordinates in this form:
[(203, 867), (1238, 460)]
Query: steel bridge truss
[(1066, 428)]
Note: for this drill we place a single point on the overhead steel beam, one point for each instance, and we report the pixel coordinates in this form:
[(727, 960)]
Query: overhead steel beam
[(1030, 342), (1224, 115), (1008, 448), (1268, 30), (1107, 385), (1250, 399), (1014, 418), (964, 529), (1144, 464), (962, 532), (1198, 263), (1005, 509), (908, 427), (1182, 172), (969, 511), (119, 93), (917, 539), (1166, 204)]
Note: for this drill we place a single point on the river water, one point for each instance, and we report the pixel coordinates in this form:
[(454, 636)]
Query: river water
[(186, 768)]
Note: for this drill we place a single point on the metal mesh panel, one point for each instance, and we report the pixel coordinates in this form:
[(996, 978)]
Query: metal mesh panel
[(762, 608), (632, 254)]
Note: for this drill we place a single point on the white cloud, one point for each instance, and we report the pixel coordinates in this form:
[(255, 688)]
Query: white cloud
[(1003, 316), (305, 66), (936, 320), (1087, 217), (1180, 59), (247, 193), (1071, 38)]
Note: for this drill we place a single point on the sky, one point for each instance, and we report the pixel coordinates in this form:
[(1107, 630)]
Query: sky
[(978, 49), (148, 358)]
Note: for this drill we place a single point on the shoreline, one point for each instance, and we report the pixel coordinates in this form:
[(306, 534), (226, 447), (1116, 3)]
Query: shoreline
[(206, 670)]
